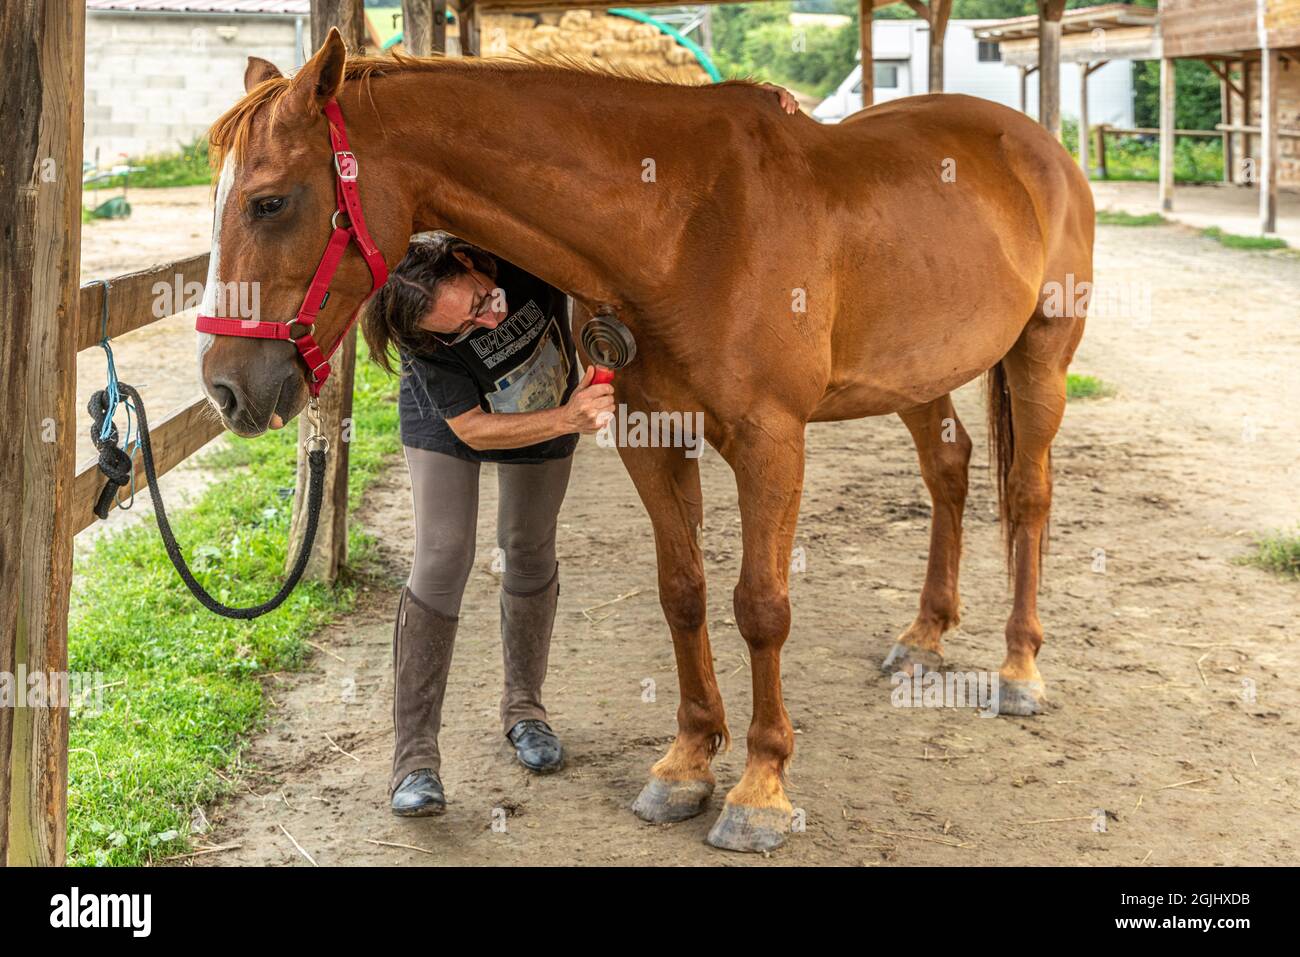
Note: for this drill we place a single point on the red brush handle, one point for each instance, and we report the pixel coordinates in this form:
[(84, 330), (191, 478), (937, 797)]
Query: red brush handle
[(602, 376)]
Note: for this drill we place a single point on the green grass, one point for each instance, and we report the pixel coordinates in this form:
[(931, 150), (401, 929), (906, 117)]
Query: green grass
[(1237, 241), (1085, 387), (1196, 159), (1107, 217), (184, 687), (1279, 553), (188, 166)]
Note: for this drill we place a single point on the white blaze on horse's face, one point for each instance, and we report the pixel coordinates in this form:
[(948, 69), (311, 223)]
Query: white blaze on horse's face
[(211, 291)]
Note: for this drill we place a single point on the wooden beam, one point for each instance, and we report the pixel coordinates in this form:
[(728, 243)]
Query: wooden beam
[(1049, 64), (139, 298), (1269, 152), (1222, 73), (43, 48), (174, 439), (329, 552), (866, 9), (940, 11), (1168, 86)]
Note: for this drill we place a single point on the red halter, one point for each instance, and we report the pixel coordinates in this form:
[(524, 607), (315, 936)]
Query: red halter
[(349, 204)]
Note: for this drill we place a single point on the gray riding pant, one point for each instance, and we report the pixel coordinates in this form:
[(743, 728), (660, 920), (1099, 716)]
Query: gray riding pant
[(445, 490)]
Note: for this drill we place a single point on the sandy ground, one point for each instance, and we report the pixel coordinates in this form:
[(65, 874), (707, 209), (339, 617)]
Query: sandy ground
[(1173, 672)]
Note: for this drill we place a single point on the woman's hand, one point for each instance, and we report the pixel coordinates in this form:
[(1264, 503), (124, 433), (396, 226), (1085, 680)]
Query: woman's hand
[(590, 406), (786, 98)]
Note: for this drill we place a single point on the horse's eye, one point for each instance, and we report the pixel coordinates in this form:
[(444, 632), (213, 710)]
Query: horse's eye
[(268, 207)]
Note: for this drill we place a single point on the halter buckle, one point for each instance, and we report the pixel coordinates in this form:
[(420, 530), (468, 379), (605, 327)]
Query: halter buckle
[(345, 165)]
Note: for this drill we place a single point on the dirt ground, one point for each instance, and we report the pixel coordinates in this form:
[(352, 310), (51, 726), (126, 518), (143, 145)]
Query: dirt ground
[(1172, 668)]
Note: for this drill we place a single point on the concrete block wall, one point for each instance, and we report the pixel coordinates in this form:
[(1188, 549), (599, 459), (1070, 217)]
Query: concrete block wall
[(1288, 118), (155, 82)]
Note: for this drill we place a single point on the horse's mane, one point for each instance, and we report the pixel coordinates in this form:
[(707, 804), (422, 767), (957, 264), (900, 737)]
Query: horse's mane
[(228, 136)]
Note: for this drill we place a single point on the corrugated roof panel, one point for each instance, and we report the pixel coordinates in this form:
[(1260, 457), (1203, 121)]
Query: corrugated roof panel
[(293, 7)]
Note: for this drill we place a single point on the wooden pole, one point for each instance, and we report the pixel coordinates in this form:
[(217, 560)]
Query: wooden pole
[(866, 9), (439, 43), (1049, 64), (1269, 152), (936, 14), (330, 550), (417, 27), (467, 15), (1247, 95), (1101, 152), (1225, 111), (43, 48), (1168, 87), (1084, 129)]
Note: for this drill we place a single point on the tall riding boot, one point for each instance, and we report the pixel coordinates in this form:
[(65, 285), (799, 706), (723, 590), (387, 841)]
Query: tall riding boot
[(526, 623), (422, 646)]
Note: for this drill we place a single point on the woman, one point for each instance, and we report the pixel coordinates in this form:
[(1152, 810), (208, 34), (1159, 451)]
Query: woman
[(490, 374)]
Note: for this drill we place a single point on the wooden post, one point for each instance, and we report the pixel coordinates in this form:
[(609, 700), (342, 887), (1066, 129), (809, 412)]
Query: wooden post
[(1168, 86), (1049, 64), (417, 27), (1101, 152), (43, 48), (1269, 153), (1225, 111), (866, 8), (1084, 131), (936, 14), (439, 43), (467, 17), (330, 550), (1247, 94)]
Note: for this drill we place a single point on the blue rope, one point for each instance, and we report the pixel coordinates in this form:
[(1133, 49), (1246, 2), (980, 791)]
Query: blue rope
[(115, 396)]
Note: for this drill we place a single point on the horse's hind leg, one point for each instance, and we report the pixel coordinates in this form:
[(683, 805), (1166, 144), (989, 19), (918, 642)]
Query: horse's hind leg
[(1034, 373), (943, 448), (680, 782)]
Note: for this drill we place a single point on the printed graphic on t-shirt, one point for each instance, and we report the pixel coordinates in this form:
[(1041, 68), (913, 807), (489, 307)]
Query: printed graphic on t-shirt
[(539, 381)]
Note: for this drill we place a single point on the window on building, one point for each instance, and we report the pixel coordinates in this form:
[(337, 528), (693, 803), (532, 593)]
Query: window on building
[(989, 52), (886, 76)]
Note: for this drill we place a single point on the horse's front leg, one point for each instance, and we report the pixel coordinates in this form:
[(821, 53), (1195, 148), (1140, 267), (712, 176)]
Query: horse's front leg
[(767, 454), (681, 782)]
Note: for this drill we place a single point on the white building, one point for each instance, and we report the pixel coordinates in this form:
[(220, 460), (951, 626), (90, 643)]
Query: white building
[(902, 55)]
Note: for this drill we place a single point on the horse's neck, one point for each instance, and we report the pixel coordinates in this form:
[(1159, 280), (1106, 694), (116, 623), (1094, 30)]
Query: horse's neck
[(511, 160)]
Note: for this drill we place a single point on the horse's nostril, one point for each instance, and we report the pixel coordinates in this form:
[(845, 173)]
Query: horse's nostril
[(224, 397)]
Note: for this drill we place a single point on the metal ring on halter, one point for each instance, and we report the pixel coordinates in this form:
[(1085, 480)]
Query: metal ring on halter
[(334, 220)]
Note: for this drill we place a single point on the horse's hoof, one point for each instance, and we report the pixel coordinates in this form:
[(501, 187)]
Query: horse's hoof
[(911, 660), (1024, 698), (741, 828), (664, 802)]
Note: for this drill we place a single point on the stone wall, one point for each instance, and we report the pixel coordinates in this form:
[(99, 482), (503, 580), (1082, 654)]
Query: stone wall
[(155, 82)]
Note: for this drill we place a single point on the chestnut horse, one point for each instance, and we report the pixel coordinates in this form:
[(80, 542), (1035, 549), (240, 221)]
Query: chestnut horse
[(774, 272)]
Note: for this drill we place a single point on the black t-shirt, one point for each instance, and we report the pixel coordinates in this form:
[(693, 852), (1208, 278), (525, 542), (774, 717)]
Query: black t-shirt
[(527, 363)]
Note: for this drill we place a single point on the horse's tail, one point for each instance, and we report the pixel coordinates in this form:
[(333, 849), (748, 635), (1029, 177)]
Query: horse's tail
[(1002, 449)]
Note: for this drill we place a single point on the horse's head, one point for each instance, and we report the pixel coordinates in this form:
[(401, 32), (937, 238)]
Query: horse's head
[(275, 212)]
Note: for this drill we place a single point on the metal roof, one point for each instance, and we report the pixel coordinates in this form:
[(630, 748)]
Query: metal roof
[(282, 7)]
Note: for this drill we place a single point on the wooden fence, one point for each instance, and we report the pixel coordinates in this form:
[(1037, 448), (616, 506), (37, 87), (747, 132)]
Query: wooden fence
[(46, 319)]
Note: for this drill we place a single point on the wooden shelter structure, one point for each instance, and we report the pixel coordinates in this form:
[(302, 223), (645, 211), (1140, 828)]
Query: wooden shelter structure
[(1253, 46)]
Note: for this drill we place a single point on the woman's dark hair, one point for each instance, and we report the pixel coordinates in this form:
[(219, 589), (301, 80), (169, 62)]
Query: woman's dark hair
[(391, 321)]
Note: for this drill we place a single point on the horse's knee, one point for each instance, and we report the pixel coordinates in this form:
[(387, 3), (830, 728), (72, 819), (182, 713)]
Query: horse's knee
[(946, 468), (762, 613), (682, 598), (1029, 494)]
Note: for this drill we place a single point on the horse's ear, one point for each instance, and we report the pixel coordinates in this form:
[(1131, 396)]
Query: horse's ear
[(258, 71), (320, 77)]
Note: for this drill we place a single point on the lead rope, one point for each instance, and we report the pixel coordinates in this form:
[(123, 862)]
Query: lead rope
[(117, 467)]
